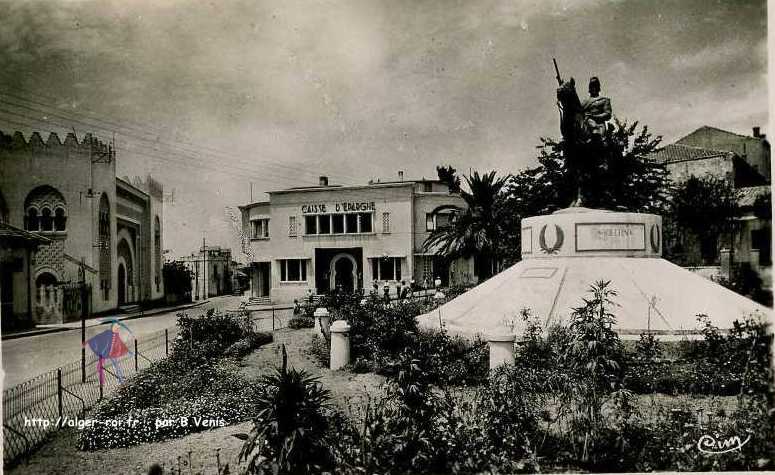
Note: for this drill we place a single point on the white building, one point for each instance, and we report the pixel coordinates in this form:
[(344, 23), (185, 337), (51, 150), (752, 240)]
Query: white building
[(324, 237)]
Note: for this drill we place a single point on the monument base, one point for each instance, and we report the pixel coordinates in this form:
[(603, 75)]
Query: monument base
[(564, 253)]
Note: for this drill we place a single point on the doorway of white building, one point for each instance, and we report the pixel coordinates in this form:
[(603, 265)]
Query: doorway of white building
[(339, 268)]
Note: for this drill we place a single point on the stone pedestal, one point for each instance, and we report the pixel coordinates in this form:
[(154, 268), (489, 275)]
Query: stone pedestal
[(564, 253), (584, 232), (340, 344), (501, 349)]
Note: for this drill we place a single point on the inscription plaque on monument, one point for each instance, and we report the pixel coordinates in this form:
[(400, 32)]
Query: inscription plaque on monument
[(610, 237)]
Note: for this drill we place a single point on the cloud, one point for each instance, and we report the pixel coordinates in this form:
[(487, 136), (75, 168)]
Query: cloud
[(286, 90)]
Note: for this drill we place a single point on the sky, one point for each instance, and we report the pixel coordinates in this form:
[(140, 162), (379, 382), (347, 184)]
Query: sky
[(215, 99)]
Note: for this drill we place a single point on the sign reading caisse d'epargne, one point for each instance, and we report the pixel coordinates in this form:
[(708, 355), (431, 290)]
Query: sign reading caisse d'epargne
[(341, 207)]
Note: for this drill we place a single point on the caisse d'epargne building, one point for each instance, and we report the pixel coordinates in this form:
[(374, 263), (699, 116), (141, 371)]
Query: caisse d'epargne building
[(324, 237)]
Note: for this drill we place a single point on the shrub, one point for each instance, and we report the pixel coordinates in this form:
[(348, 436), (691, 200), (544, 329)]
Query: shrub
[(301, 322), (213, 332), (244, 346), (320, 351), (291, 430)]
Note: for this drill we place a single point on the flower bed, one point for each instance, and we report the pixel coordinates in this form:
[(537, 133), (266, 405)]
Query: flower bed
[(198, 387)]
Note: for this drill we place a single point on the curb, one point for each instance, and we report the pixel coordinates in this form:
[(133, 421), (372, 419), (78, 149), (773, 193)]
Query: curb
[(150, 313)]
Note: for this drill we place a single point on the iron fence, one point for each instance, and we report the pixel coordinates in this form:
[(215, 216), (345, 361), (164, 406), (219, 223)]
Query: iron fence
[(33, 409)]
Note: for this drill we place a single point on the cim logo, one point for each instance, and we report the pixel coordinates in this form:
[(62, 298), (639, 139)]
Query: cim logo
[(711, 445)]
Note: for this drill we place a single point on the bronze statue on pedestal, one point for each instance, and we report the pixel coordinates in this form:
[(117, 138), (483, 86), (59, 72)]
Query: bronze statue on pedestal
[(584, 126)]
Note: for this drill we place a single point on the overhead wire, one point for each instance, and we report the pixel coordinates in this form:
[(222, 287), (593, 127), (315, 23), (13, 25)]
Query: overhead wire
[(112, 126)]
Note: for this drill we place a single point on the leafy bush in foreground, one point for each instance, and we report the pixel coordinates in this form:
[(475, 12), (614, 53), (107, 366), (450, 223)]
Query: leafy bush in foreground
[(291, 430)]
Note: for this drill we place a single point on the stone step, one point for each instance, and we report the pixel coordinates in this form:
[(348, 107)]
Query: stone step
[(129, 308)]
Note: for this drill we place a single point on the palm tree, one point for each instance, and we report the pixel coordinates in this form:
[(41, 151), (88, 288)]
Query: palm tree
[(476, 230)]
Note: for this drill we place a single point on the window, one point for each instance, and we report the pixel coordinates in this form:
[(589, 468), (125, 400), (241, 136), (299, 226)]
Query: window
[(104, 247), (365, 219), (293, 270), (46, 210), (292, 226), (429, 222), (33, 223), (325, 224), (259, 228), (351, 223), (387, 268), (385, 222), (46, 220), (311, 224), (337, 223), (341, 223), (443, 220), (427, 187), (59, 219)]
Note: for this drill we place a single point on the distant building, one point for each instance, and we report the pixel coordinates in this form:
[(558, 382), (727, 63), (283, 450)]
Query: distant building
[(753, 149), (744, 162), (326, 237), (211, 272), (103, 235)]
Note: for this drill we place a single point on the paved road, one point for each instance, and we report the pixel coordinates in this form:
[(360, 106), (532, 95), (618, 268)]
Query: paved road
[(25, 358)]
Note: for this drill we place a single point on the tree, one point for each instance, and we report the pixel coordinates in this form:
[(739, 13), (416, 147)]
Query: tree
[(702, 211), (627, 179), (476, 230), (177, 279), (447, 175)]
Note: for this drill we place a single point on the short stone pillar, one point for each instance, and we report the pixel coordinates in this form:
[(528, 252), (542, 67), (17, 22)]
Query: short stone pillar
[(340, 344), (753, 256), (725, 257), (322, 321), (501, 348)]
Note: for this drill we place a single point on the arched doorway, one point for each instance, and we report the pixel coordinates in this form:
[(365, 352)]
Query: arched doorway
[(344, 272), (121, 284), (126, 285)]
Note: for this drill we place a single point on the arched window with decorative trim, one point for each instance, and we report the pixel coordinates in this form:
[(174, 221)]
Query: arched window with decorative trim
[(103, 230), (45, 210), (60, 219), (46, 220), (31, 219)]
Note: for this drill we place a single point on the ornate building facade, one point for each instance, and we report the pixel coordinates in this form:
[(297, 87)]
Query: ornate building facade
[(104, 234)]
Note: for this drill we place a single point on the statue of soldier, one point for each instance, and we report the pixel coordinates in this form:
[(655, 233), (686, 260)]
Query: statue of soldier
[(596, 110)]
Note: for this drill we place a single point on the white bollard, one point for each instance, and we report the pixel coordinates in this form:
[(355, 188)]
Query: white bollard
[(340, 344), (322, 321), (501, 349)]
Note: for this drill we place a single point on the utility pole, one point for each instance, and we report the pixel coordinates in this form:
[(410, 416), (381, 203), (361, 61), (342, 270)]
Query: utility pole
[(204, 267)]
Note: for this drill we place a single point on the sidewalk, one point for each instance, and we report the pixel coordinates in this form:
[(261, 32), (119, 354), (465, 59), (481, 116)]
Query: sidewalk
[(92, 322)]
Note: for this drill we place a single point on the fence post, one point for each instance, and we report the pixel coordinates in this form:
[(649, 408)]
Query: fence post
[(272, 317), (136, 365), (166, 343), (83, 348), (59, 391)]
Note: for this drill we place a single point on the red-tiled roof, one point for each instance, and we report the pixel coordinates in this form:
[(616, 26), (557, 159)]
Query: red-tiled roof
[(747, 195), (682, 153)]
